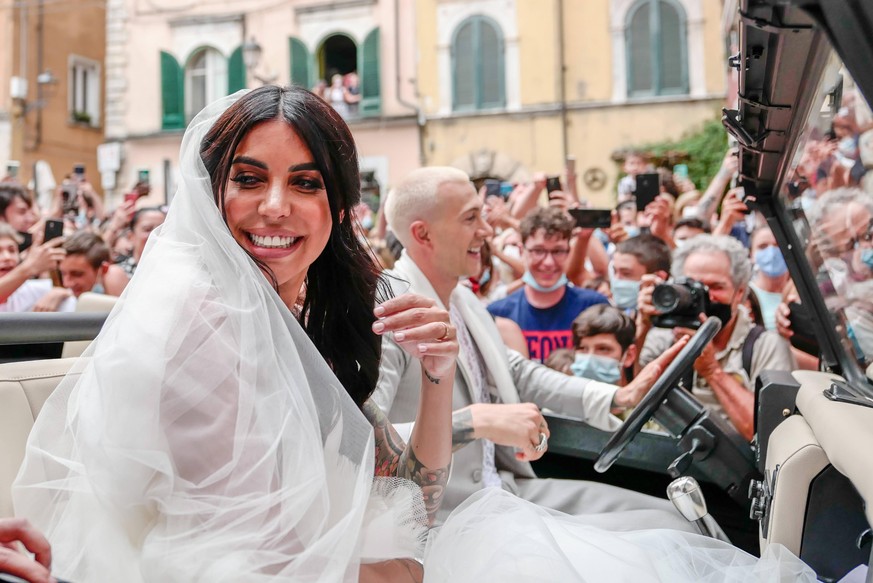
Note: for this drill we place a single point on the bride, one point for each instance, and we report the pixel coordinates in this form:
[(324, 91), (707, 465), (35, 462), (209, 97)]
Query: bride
[(214, 429), (218, 429)]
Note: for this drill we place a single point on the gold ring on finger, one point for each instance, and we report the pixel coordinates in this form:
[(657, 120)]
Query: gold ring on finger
[(445, 335)]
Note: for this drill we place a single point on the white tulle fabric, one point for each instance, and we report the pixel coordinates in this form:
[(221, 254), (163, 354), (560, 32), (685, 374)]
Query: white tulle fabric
[(496, 537), (202, 437)]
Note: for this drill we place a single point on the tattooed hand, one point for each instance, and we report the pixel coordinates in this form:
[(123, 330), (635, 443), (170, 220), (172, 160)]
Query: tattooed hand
[(423, 330)]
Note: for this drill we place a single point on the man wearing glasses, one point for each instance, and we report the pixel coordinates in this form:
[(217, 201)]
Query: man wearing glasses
[(546, 306)]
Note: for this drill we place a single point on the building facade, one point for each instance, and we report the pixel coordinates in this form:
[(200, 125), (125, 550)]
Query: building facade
[(51, 99), (166, 61), (510, 87)]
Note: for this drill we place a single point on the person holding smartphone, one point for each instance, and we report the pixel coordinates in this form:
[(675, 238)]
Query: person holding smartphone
[(19, 292), (546, 305)]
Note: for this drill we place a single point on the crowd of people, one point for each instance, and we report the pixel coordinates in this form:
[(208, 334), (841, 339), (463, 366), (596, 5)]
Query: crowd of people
[(342, 92), (308, 345), (580, 300), (96, 252)]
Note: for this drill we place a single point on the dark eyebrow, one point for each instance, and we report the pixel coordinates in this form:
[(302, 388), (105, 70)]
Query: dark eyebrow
[(249, 161), (302, 167)]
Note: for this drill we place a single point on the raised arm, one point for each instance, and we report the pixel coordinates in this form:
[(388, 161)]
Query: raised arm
[(424, 330), (712, 197)]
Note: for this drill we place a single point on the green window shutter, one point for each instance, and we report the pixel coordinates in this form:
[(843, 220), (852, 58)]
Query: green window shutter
[(657, 54), (491, 59), (236, 71), (640, 73), (299, 63), (172, 93), (371, 86), (478, 63), (465, 64), (673, 61)]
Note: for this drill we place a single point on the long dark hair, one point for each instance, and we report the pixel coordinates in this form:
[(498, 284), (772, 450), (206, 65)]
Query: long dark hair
[(343, 283)]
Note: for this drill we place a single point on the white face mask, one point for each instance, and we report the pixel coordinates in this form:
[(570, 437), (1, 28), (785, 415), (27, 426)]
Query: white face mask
[(512, 251), (689, 212)]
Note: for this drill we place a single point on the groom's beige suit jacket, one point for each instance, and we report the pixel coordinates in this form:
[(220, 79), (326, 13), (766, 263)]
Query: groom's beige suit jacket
[(511, 378)]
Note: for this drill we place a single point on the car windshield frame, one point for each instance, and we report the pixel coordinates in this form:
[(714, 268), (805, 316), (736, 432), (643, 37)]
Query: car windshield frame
[(783, 91), (821, 191)]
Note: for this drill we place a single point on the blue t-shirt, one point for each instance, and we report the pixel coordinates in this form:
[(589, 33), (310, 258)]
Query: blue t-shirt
[(546, 329)]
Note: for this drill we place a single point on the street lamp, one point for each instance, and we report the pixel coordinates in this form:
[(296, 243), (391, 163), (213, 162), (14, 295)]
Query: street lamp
[(251, 53)]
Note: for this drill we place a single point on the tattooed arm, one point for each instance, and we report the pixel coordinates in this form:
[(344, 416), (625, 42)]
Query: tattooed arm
[(710, 200), (463, 431), (424, 330), (395, 458)]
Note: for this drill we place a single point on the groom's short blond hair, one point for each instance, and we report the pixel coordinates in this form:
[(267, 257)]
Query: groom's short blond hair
[(416, 197)]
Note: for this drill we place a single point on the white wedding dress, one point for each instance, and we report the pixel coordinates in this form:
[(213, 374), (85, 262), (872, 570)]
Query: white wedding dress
[(497, 537), (203, 438)]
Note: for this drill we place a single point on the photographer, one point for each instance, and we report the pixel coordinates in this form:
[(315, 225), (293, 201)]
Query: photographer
[(725, 373)]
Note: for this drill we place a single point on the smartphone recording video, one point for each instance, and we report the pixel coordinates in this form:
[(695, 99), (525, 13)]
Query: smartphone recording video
[(648, 188), (592, 218), (53, 229), (71, 200), (553, 183), (492, 187)]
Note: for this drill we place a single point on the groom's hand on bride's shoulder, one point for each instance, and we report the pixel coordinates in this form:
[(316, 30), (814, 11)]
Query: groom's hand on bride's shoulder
[(15, 531), (423, 329)]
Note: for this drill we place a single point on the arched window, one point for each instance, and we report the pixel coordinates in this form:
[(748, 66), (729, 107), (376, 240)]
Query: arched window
[(657, 57), (478, 65), (205, 80)]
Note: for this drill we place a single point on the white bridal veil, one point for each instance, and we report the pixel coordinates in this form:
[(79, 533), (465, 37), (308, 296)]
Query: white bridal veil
[(202, 437)]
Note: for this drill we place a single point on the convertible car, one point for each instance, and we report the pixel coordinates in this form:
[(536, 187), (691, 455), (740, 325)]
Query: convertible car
[(804, 130)]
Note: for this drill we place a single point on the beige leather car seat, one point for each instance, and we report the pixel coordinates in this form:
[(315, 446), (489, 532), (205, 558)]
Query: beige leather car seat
[(24, 388), (88, 302)]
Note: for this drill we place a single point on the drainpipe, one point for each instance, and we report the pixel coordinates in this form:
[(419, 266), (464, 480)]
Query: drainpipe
[(419, 113), (563, 69), (40, 35)]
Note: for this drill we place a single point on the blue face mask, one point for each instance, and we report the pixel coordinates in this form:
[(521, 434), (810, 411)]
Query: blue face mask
[(632, 231), (486, 277), (596, 368), (624, 293), (867, 257), (770, 261), (367, 222), (528, 279)]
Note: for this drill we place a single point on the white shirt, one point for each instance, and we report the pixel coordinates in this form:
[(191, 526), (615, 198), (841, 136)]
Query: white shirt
[(25, 297)]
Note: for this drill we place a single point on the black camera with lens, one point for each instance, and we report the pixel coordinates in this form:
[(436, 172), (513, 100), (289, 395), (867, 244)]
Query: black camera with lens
[(680, 303)]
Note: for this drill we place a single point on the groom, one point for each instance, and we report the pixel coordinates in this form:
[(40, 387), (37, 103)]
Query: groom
[(437, 215)]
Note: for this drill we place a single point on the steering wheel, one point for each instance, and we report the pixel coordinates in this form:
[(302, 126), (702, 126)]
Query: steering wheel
[(656, 395)]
